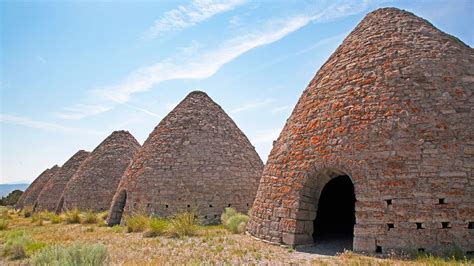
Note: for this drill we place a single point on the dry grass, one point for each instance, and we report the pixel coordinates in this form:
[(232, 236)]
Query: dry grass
[(209, 245)]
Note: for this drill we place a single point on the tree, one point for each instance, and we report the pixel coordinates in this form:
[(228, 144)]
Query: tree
[(11, 198)]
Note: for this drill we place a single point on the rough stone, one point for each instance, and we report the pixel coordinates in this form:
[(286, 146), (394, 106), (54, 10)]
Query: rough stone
[(50, 195), (377, 112), (195, 159), (93, 185), (29, 197)]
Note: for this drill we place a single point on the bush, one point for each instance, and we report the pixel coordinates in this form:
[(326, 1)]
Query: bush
[(19, 246), (72, 216), (156, 227), (137, 222), (75, 254), (234, 221), (103, 215), (4, 213), (54, 218), (183, 224), (3, 224), (117, 228), (89, 217), (27, 211), (37, 218)]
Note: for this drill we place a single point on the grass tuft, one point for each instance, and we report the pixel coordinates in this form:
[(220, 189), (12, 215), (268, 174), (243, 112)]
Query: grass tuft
[(19, 245), (89, 217), (183, 224), (3, 224), (156, 227), (72, 216), (234, 221), (137, 222), (75, 254), (27, 211)]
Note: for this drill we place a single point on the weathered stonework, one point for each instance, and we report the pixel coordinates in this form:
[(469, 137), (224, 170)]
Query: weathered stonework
[(196, 158), (93, 185), (49, 197), (29, 197), (393, 109)]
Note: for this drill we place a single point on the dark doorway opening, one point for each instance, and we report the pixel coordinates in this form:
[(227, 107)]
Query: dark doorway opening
[(335, 218), (59, 208), (115, 216)]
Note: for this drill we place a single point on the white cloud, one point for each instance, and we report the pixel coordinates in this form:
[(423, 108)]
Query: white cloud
[(185, 16), (80, 111), (28, 122), (252, 105), (266, 136), (191, 63), (281, 109)]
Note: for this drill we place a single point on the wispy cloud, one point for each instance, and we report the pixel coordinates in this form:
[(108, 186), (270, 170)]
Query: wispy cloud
[(80, 111), (252, 105), (281, 109), (194, 63), (28, 122), (266, 136), (185, 16)]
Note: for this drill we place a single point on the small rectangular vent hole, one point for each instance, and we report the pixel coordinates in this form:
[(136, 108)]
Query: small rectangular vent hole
[(210, 205), (378, 249), (390, 226), (166, 206), (446, 225), (189, 206), (228, 205), (421, 250), (470, 225), (419, 226), (442, 201), (389, 202)]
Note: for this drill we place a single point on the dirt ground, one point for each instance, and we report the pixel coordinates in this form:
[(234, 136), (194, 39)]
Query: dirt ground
[(211, 245)]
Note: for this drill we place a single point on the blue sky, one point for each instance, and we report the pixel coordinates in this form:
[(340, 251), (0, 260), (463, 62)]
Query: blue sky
[(74, 71)]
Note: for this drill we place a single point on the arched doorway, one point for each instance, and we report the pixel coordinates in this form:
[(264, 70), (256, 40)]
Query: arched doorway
[(335, 218), (115, 216), (59, 208)]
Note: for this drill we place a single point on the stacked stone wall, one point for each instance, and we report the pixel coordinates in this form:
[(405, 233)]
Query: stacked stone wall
[(50, 195), (29, 197), (93, 185), (195, 159), (393, 108)]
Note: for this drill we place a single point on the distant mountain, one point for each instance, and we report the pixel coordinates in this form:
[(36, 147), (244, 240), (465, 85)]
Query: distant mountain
[(7, 188)]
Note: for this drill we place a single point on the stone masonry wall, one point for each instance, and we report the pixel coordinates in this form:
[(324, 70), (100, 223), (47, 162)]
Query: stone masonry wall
[(196, 158), (93, 185), (50, 195), (29, 197), (393, 108)]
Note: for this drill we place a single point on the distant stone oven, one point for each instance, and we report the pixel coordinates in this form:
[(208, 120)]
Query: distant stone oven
[(195, 159), (93, 185), (380, 145), (29, 197), (49, 197)]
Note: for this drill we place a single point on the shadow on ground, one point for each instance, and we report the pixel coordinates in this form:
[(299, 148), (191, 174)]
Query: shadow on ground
[(328, 246)]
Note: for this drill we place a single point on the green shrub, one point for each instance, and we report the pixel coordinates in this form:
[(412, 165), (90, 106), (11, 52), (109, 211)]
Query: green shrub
[(3, 224), (234, 221), (117, 228), (103, 215), (183, 224), (156, 227), (136, 222), (54, 218), (75, 254), (4, 213), (72, 216), (89, 217), (27, 211), (19, 246), (228, 212), (37, 218)]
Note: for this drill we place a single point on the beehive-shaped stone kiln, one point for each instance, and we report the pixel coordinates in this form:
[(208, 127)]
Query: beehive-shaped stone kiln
[(29, 197), (49, 197), (379, 147), (93, 185), (196, 158)]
